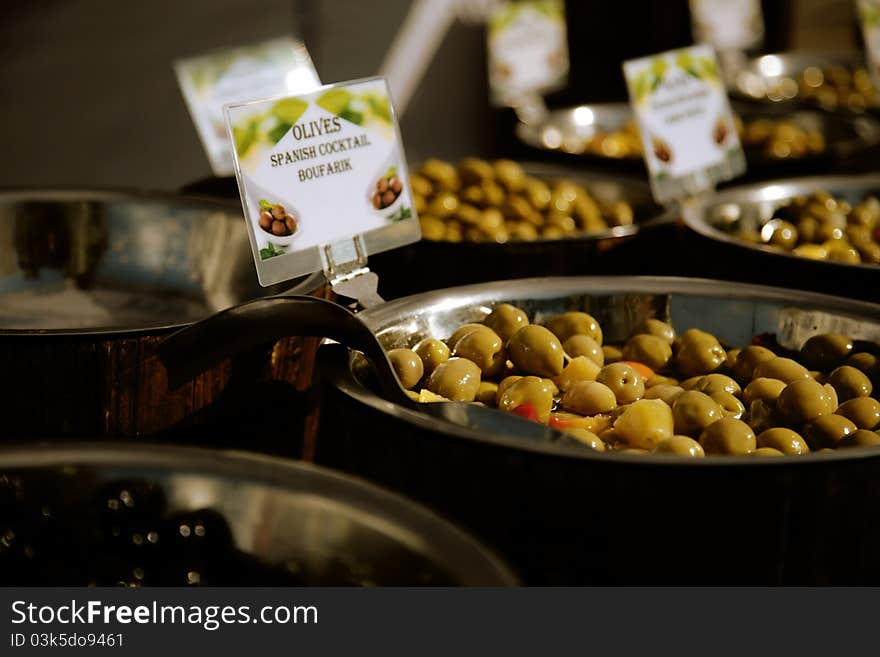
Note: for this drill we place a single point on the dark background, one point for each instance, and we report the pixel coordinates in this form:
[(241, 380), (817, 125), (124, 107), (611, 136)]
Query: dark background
[(88, 95)]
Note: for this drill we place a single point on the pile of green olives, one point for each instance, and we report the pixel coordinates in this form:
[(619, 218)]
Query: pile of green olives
[(481, 201), (774, 139), (822, 227), (660, 392)]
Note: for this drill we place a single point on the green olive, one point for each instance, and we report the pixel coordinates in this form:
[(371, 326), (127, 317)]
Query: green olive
[(763, 415), (784, 369), (510, 174), (589, 398), (656, 327), (443, 205), (651, 350), (826, 351), (485, 348), (698, 353), (612, 353), (679, 446), (584, 345), (463, 330), (504, 384), (731, 406), (712, 383), (728, 436), (487, 393), (623, 380), (849, 383), (506, 320), (536, 350), (578, 369), (407, 365), (473, 171), (827, 431), (763, 388), (730, 359), (664, 392), (420, 185), (644, 423), (766, 451), (867, 363), (694, 411), (538, 193), (457, 379), (688, 384), (528, 390), (575, 323), (588, 438), (784, 440), (442, 174), (861, 438), (863, 411), (660, 380), (746, 361), (804, 400), (784, 235), (432, 352)]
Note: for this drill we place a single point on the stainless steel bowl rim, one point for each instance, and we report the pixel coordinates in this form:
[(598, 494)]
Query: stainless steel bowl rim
[(302, 285), (694, 212), (339, 373), (365, 497)]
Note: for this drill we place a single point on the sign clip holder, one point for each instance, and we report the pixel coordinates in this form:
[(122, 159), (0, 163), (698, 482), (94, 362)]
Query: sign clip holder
[(345, 266)]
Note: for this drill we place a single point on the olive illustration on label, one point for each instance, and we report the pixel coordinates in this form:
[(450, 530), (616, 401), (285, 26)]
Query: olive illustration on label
[(275, 219), (720, 131), (387, 189), (661, 150)]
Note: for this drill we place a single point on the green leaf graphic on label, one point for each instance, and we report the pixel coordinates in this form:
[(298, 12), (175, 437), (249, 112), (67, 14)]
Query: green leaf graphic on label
[(265, 205), (351, 115), (289, 110), (277, 133), (380, 106), (403, 213), (335, 101), (709, 68), (686, 62), (244, 137), (658, 67), (271, 251)]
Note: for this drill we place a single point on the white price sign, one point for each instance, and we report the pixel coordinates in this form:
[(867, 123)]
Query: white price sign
[(688, 134), (208, 82), (319, 169)]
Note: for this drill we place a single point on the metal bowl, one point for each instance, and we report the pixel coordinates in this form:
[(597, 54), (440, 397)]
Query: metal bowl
[(570, 130), (106, 262), (565, 515), (290, 523), (90, 281), (774, 78), (430, 265), (752, 206)]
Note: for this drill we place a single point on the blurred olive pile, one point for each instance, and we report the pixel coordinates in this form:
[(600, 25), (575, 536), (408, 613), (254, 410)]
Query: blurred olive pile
[(837, 87), (616, 144), (776, 139), (663, 393), (824, 228), (780, 139), (833, 87), (498, 202)]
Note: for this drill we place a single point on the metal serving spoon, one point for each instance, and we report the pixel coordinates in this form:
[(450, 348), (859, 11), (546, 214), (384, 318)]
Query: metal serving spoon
[(198, 347)]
